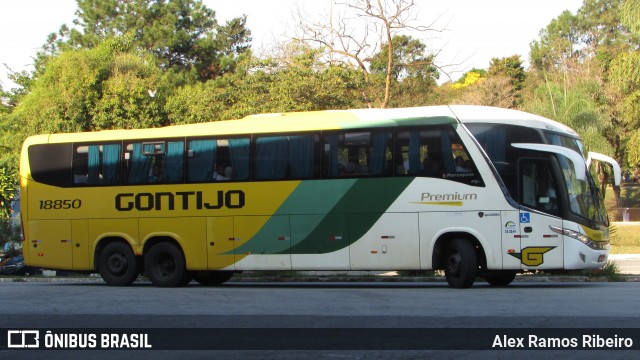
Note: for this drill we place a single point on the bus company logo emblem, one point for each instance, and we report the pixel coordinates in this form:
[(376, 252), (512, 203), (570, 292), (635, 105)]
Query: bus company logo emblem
[(510, 228), (532, 255), (21, 339), (482, 214)]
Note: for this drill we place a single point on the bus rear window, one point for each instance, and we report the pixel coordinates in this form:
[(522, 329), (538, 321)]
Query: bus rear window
[(51, 163)]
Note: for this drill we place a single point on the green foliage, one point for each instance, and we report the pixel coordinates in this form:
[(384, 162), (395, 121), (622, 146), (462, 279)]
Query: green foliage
[(7, 191), (99, 88), (302, 84), (183, 35), (633, 150), (630, 15), (409, 60), (557, 43), (510, 67), (132, 96), (574, 106)]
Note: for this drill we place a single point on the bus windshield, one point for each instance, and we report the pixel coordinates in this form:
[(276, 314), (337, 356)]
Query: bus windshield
[(584, 198), (584, 201)]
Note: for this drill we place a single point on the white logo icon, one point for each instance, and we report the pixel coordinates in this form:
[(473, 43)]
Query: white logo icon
[(23, 339)]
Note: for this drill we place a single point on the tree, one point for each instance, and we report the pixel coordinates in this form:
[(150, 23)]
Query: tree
[(353, 37), (594, 43), (413, 76), (511, 68), (624, 86), (90, 89), (496, 91), (183, 34), (297, 80), (558, 45)]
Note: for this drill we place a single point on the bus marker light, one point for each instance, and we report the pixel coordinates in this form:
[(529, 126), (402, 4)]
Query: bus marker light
[(511, 251), (601, 258), (374, 251), (40, 254)]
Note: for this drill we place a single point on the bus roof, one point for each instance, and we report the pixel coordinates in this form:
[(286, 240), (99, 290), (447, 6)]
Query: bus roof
[(319, 120), (486, 114)]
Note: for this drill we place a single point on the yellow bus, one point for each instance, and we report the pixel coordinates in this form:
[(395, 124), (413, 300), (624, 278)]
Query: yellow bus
[(475, 191)]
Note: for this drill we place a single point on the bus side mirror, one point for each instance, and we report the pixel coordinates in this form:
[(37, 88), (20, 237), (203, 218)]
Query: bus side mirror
[(617, 173)]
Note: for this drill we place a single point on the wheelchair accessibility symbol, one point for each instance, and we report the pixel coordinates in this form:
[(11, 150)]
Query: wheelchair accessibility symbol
[(525, 218)]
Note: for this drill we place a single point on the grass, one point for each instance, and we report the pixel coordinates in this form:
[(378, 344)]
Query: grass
[(625, 238)]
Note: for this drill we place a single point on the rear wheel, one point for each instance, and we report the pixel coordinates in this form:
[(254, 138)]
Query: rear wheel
[(461, 264), (165, 266), (117, 264), (212, 278), (499, 278)]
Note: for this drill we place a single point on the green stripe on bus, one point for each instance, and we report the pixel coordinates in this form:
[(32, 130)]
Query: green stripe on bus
[(325, 216), (359, 209)]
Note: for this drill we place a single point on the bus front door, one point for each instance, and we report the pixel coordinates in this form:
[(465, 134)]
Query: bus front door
[(540, 247)]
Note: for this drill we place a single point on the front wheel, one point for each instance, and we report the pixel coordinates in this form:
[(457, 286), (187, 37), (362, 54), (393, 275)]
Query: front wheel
[(461, 264), (117, 264), (499, 278), (165, 266)]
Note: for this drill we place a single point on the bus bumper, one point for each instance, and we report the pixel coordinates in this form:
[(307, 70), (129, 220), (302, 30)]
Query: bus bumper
[(578, 256)]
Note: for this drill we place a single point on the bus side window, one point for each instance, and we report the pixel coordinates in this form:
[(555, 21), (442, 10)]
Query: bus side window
[(151, 162), (419, 153), (96, 164), (51, 163), (201, 159), (357, 153), (285, 157)]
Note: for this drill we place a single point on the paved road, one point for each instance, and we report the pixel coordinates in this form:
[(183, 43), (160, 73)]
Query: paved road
[(410, 307)]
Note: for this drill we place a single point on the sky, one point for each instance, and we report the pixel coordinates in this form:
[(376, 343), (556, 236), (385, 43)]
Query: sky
[(474, 31)]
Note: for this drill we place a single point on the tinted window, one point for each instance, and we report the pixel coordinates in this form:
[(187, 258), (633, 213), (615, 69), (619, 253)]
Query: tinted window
[(496, 141), (97, 164), (434, 151), (357, 153), (285, 157), (51, 163), (149, 162), (212, 159), (539, 188)]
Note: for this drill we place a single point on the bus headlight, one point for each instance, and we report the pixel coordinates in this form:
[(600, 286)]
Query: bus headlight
[(596, 245)]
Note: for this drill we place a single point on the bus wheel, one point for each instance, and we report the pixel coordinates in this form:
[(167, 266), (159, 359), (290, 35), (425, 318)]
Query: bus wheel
[(165, 266), (117, 264), (461, 264), (499, 278), (211, 278)]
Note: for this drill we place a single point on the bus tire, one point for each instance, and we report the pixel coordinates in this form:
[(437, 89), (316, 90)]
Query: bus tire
[(212, 278), (165, 266), (117, 264), (460, 264), (499, 278)]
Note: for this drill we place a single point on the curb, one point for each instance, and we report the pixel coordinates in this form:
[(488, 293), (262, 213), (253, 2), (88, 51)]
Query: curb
[(348, 279)]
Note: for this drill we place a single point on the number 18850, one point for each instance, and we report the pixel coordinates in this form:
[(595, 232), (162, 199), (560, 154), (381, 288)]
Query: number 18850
[(60, 204)]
